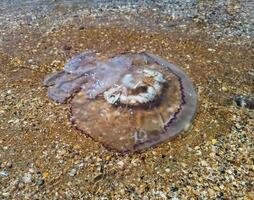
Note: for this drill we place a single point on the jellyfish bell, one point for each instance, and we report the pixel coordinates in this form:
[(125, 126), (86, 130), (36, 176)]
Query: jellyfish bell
[(128, 102)]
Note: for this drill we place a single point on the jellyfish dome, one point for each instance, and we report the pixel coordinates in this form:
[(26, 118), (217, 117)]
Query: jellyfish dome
[(127, 102)]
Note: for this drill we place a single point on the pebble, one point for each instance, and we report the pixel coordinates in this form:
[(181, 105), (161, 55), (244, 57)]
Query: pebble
[(108, 158), (4, 173), (120, 164), (167, 170), (98, 177), (40, 182), (214, 141), (199, 153), (73, 172), (31, 170), (211, 50), (27, 178), (45, 174), (183, 164), (204, 163), (9, 164), (6, 194), (174, 189), (30, 61), (244, 101)]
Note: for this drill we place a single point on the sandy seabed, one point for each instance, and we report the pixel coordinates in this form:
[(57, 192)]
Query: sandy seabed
[(43, 157)]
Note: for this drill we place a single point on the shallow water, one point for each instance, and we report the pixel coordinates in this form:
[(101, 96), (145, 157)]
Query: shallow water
[(37, 137)]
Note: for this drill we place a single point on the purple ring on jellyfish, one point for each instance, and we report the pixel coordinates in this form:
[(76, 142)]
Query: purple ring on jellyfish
[(127, 102)]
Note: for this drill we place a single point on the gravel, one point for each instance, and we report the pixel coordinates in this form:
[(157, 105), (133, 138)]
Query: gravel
[(43, 157), (222, 20)]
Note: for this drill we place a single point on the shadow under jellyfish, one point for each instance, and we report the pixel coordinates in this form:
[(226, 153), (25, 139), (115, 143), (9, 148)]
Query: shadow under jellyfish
[(128, 102)]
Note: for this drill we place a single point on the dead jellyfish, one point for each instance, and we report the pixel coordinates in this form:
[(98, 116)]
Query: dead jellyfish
[(127, 102)]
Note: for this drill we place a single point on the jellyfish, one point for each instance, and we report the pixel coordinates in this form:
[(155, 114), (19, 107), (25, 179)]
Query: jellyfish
[(127, 102)]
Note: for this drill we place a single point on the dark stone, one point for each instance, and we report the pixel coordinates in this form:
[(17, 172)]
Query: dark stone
[(174, 189), (40, 182), (98, 177), (66, 47), (244, 101)]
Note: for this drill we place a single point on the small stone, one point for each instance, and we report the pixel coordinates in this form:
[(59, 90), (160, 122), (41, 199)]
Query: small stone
[(204, 163), (174, 189), (27, 178), (98, 177), (6, 194), (34, 66), (199, 153), (62, 152), (167, 170), (121, 164), (45, 174), (224, 89), (73, 172), (40, 182), (108, 158), (31, 170), (4, 173), (61, 161), (244, 101), (196, 147), (9, 164), (211, 50), (184, 164), (30, 61), (81, 165), (214, 141)]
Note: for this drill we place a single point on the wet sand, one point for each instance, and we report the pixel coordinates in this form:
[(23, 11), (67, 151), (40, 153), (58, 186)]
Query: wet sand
[(43, 157)]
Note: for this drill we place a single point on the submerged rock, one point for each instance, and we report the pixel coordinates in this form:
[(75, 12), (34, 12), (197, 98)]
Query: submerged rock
[(244, 101), (127, 102)]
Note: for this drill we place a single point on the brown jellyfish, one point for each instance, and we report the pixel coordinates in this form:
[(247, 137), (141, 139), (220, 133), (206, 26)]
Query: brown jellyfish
[(127, 102)]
